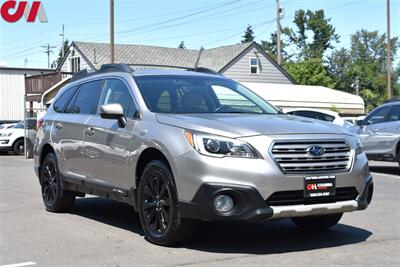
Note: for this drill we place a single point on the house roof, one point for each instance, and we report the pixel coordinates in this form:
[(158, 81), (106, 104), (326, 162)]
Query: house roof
[(144, 55)]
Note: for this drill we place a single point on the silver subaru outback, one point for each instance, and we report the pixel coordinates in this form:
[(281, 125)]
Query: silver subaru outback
[(183, 146)]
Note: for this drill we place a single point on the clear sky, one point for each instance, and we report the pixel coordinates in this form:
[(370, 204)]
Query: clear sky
[(207, 23)]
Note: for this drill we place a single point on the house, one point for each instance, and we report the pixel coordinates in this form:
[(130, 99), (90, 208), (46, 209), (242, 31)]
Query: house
[(242, 62)]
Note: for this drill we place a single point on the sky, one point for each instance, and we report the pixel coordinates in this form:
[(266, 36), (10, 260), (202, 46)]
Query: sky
[(207, 23)]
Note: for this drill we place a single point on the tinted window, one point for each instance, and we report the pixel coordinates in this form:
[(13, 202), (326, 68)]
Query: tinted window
[(194, 94), (86, 99), (61, 102), (315, 115), (377, 116), (394, 113), (115, 91)]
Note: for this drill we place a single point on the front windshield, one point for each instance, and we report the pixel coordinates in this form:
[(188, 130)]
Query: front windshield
[(19, 125), (193, 94)]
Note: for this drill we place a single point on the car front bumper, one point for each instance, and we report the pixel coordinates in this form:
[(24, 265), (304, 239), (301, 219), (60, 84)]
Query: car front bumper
[(250, 206)]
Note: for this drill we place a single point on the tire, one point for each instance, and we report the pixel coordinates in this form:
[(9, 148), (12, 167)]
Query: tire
[(158, 209), (18, 147), (318, 222), (54, 198)]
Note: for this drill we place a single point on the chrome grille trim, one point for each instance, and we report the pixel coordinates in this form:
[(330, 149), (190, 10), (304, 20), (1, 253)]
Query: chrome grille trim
[(292, 157)]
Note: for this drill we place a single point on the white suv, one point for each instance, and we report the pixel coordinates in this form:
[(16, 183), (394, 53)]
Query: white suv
[(12, 139)]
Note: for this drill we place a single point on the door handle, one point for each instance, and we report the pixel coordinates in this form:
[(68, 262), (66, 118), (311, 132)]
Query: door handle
[(89, 131), (59, 126)]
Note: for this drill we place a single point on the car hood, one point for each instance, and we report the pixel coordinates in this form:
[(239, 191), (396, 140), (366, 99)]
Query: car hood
[(240, 125)]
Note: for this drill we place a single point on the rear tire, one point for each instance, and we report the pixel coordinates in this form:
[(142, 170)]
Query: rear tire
[(317, 222), (158, 207), (54, 198), (18, 147)]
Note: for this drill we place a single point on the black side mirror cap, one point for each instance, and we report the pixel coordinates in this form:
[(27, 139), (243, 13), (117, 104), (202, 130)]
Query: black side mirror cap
[(361, 123)]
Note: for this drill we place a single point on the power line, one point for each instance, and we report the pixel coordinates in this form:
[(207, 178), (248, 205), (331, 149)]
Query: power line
[(48, 51)]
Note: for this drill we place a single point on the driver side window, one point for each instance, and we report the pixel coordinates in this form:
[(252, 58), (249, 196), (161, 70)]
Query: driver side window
[(378, 116), (116, 92)]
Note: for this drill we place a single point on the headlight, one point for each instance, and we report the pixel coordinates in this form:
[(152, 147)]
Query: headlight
[(218, 146), (5, 134)]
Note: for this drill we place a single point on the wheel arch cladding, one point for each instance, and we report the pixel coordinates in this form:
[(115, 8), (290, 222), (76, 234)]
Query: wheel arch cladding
[(148, 155), (47, 148)]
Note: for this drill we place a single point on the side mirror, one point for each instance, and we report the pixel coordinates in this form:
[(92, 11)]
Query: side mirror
[(113, 112), (361, 123)]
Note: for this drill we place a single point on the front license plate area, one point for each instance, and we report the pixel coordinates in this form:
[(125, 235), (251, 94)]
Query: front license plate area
[(319, 186)]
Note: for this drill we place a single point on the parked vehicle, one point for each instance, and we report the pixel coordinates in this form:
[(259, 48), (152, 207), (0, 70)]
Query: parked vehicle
[(12, 138), (6, 125), (353, 120), (380, 132), (182, 146), (319, 114)]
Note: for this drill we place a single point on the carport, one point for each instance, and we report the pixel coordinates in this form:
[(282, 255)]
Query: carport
[(288, 96)]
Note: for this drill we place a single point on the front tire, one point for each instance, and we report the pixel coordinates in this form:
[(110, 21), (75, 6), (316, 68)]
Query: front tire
[(158, 209), (54, 198), (18, 147), (317, 222)]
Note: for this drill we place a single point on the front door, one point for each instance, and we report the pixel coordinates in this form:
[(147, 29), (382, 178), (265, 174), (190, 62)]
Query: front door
[(108, 148)]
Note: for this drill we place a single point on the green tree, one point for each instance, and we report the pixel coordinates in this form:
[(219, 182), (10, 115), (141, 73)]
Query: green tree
[(182, 45), (314, 34), (269, 46), (60, 53), (248, 35), (309, 72), (364, 65)]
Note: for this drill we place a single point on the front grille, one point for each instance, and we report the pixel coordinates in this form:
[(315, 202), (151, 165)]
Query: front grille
[(296, 197), (293, 157)]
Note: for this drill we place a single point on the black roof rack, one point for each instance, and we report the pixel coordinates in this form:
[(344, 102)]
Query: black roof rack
[(104, 68), (205, 70)]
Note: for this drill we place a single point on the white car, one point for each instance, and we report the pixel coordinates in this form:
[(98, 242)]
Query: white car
[(6, 125), (354, 120), (12, 139), (319, 114)]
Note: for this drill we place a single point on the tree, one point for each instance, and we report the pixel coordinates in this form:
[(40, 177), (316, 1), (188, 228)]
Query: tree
[(248, 35), (182, 45), (60, 53), (317, 25), (309, 72), (364, 65), (269, 46)]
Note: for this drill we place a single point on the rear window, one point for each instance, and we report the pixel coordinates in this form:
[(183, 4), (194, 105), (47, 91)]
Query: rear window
[(62, 101), (86, 99)]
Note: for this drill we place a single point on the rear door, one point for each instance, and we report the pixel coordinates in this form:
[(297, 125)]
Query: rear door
[(108, 148), (372, 134), (69, 127)]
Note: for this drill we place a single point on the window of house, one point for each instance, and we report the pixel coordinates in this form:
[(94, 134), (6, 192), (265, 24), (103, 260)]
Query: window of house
[(254, 65), (75, 64)]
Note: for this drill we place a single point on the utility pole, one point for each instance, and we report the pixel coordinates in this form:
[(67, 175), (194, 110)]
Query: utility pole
[(62, 43), (278, 33), (48, 51), (112, 31), (389, 56)]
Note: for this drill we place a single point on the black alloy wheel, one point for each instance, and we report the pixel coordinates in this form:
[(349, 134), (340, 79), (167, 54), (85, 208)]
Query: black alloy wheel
[(158, 209), (54, 198)]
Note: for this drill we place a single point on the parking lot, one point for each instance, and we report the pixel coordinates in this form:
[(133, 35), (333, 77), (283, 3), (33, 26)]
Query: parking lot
[(99, 232)]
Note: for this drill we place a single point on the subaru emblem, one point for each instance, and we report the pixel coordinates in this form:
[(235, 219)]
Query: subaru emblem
[(315, 150)]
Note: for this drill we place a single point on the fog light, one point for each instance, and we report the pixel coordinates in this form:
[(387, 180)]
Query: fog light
[(223, 203)]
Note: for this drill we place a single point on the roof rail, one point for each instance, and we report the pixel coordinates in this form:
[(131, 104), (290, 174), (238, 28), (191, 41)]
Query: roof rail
[(104, 68), (116, 67), (204, 70)]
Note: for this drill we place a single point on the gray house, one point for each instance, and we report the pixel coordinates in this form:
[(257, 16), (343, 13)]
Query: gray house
[(242, 62)]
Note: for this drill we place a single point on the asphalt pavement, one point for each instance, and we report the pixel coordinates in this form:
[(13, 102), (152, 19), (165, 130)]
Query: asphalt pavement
[(100, 232)]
